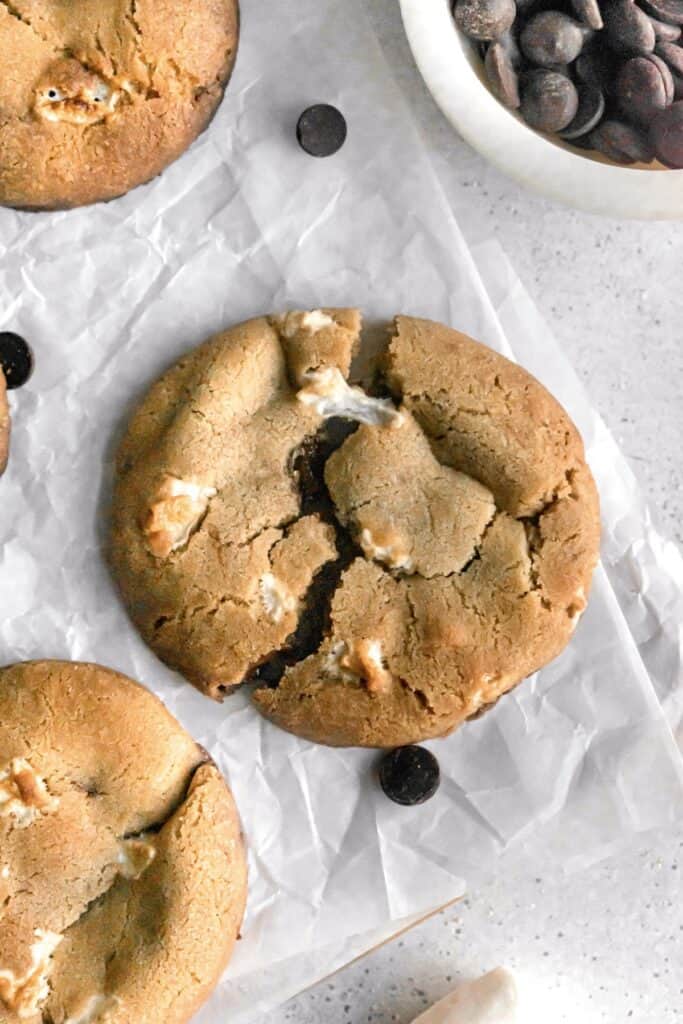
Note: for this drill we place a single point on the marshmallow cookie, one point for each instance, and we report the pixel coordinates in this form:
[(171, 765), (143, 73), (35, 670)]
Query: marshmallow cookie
[(96, 98), (383, 564), (122, 870)]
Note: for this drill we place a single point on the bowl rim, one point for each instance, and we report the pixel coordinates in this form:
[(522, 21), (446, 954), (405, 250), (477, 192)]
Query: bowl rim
[(441, 54)]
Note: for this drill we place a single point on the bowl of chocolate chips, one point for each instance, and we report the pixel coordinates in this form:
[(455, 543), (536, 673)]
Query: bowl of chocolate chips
[(580, 100)]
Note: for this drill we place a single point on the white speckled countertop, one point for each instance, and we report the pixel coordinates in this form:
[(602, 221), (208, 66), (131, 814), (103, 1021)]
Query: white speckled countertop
[(606, 944)]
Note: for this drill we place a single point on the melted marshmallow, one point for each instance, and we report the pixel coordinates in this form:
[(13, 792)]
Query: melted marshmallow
[(179, 507), (330, 395), (275, 597), (389, 554), (135, 856), (24, 994), (24, 795)]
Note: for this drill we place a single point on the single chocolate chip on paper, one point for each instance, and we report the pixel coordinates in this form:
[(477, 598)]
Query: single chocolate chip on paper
[(409, 775), (321, 130), (16, 359)]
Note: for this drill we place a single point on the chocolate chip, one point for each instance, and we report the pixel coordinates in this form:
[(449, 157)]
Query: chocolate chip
[(16, 359), (668, 33), (502, 75), (670, 11), (672, 55), (409, 775), (628, 29), (597, 66), (551, 37), (588, 11), (484, 19), (549, 100), (321, 130), (644, 86), (621, 142), (667, 135), (588, 116)]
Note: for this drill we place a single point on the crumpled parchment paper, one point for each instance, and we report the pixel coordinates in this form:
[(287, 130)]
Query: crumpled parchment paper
[(246, 223)]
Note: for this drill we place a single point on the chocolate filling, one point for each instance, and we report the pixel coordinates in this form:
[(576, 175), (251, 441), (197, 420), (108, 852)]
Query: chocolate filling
[(307, 467)]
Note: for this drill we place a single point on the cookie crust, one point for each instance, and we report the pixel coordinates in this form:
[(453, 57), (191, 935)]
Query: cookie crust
[(387, 579), (122, 869), (99, 98)]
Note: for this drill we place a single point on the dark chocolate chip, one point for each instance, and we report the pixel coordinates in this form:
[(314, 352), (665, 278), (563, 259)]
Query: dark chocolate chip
[(409, 775), (644, 86), (667, 75), (628, 29), (588, 11), (16, 359), (502, 75), (321, 130), (484, 19), (667, 135), (551, 37), (672, 55), (588, 116), (549, 100), (597, 66), (621, 142), (670, 11), (665, 32)]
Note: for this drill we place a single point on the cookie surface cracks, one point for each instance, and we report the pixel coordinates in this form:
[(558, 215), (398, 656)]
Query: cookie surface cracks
[(122, 873), (479, 522), (466, 513), (97, 97)]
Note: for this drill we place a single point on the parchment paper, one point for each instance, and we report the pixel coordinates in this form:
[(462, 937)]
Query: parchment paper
[(245, 223)]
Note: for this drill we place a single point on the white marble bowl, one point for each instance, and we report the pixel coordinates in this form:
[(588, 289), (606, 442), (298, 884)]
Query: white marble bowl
[(453, 71)]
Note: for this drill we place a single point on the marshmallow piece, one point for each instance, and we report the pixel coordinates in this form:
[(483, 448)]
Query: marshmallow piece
[(179, 507), (312, 321), (488, 1000), (391, 553), (330, 394), (135, 856), (363, 660), (24, 795), (275, 597), (24, 994)]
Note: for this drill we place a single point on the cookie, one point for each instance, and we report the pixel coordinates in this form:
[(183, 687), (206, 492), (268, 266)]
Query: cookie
[(4, 424), (384, 565), (122, 870), (97, 99)]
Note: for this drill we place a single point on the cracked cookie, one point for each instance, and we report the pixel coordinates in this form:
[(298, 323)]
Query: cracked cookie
[(382, 563), (122, 870), (98, 98)]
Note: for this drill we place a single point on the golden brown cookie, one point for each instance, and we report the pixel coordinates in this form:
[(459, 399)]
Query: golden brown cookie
[(388, 564), (4, 424), (122, 869), (98, 97)]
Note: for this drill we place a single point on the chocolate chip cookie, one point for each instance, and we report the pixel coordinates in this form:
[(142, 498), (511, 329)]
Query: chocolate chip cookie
[(383, 563), (122, 870), (97, 98)]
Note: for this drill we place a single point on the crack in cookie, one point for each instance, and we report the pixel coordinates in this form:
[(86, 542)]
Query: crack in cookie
[(442, 528)]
